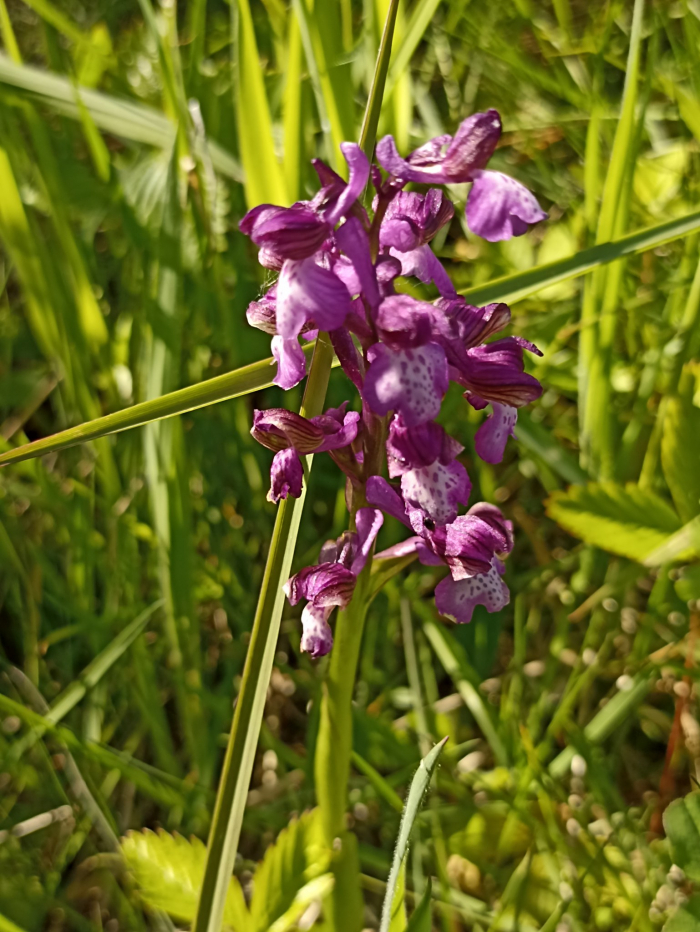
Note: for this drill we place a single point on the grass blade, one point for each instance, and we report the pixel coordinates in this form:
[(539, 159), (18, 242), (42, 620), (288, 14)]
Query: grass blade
[(422, 15), (368, 133), (473, 701), (89, 678), (419, 785), (242, 381), (264, 179), (243, 740), (512, 288), (124, 118)]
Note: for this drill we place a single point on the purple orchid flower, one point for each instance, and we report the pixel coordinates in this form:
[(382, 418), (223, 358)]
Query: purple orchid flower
[(468, 546), (297, 241), (498, 207), (338, 269), (410, 222), (432, 480), (332, 581), (289, 435), (408, 371)]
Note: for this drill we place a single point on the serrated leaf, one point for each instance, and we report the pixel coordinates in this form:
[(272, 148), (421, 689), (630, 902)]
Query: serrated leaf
[(682, 826), (680, 454), (295, 858), (686, 918), (625, 520), (169, 871)]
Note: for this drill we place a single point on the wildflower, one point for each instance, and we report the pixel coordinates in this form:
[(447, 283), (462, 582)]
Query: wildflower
[(498, 207), (331, 582), (338, 272)]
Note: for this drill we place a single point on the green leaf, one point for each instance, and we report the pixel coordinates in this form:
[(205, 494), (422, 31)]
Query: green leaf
[(393, 904), (683, 545), (686, 918), (169, 869), (315, 890), (231, 385), (682, 825), (295, 858), (680, 454), (421, 920), (264, 179), (625, 520), (512, 288)]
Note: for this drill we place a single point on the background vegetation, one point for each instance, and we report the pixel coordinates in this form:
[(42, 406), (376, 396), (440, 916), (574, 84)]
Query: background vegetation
[(131, 565)]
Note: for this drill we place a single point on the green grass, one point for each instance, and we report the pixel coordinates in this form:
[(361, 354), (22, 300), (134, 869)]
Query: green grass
[(132, 559)]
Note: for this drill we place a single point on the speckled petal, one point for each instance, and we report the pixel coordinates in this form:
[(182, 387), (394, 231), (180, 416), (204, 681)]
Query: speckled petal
[(437, 490), (411, 382), (368, 522), (457, 599), (380, 494)]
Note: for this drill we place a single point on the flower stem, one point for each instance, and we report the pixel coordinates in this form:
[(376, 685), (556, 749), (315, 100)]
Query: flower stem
[(332, 758), (243, 740)]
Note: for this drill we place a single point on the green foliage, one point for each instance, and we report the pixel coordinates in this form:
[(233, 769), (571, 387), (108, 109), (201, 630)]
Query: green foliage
[(168, 870), (682, 825), (686, 918), (680, 451), (290, 873), (625, 520), (394, 909)]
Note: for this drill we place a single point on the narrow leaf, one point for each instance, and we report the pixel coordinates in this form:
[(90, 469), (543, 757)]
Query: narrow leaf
[(512, 288), (264, 179), (417, 791), (242, 381), (421, 920), (122, 117)]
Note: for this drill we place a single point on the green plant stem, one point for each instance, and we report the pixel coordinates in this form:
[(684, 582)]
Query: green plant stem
[(240, 752)]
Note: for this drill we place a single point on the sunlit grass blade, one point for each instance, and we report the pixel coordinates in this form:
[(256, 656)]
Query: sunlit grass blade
[(243, 740), (419, 786), (264, 179), (602, 289), (331, 88), (126, 119), (251, 378), (512, 288), (368, 133), (421, 16)]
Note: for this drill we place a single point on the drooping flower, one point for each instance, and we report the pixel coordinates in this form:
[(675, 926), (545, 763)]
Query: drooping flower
[(290, 434), (498, 207), (331, 582)]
